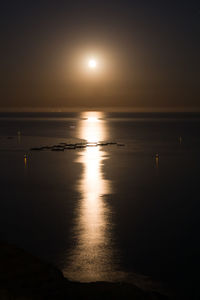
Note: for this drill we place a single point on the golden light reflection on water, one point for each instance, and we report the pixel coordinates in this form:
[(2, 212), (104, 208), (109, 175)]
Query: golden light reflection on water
[(91, 258)]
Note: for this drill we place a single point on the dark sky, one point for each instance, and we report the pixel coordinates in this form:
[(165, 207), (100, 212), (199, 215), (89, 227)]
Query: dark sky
[(150, 52)]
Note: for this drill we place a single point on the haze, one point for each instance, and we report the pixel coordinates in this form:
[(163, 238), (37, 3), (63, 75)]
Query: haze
[(147, 54)]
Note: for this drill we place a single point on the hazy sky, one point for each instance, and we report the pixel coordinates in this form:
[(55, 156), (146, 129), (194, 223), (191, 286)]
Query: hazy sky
[(148, 54)]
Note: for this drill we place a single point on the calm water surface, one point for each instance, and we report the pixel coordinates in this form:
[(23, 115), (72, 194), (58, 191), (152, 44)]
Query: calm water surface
[(105, 213)]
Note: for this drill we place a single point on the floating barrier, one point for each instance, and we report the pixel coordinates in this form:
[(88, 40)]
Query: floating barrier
[(65, 146), (57, 149)]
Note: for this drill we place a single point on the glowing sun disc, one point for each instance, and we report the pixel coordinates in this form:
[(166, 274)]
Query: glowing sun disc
[(92, 64), (92, 119)]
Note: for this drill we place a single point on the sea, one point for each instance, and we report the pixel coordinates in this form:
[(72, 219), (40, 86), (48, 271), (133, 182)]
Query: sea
[(105, 196)]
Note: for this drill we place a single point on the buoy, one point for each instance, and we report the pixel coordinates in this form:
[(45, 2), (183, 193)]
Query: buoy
[(25, 159), (157, 160)]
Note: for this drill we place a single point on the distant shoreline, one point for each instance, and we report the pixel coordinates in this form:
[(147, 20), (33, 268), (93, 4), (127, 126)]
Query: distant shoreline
[(103, 109)]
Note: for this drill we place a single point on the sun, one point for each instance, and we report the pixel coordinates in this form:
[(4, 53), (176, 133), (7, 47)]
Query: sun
[(92, 119), (92, 63)]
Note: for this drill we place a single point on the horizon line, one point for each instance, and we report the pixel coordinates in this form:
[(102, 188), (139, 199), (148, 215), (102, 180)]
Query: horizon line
[(105, 109)]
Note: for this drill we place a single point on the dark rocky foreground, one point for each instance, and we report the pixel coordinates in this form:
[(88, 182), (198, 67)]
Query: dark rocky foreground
[(23, 276)]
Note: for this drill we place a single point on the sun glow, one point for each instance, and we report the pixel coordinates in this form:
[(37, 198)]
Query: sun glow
[(92, 64)]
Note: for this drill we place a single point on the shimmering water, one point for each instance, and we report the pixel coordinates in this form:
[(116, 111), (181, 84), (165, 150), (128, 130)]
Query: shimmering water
[(105, 212)]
